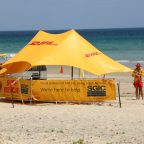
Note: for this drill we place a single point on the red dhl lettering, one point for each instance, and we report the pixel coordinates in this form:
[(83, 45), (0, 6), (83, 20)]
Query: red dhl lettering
[(43, 43), (9, 82), (92, 54), (11, 90)]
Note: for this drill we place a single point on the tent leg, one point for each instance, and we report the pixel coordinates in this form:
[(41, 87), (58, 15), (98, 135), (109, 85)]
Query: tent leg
[(72, 73), (79, 73), (118, 85), (39, 69), (12, 96), (20, 92), (31, 90)]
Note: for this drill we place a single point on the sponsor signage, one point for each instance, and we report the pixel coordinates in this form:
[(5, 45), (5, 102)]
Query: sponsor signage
[(43, 43), (59, 90), (92, 54), (74, 90), (96, 90), (11, 87)]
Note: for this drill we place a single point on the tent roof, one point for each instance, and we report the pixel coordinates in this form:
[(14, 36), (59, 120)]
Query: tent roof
[(67, 48)]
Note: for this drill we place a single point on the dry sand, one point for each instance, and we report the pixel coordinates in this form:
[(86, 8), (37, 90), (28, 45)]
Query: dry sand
[(97, 123)]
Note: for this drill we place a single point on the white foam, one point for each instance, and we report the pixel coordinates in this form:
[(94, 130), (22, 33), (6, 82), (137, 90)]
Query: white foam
[(123, 61), (130, 61), (11, 54), (140, 61)]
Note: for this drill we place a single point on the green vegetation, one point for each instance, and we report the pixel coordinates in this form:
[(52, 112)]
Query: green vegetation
[(80, 141)]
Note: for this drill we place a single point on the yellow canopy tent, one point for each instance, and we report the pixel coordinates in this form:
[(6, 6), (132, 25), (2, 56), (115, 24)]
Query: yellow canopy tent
[(68, 49)]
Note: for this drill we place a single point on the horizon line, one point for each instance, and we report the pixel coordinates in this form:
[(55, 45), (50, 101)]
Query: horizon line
[(72, 28)]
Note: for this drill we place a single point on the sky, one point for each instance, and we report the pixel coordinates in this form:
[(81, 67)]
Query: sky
[(70, 14)]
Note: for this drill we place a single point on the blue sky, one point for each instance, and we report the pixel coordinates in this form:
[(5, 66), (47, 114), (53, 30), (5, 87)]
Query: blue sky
[(70, 14)]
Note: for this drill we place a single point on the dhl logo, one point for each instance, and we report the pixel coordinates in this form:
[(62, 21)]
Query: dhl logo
[(43, 43), (92, 54)]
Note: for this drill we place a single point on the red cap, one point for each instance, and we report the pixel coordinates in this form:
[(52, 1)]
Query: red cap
[(138, 65)]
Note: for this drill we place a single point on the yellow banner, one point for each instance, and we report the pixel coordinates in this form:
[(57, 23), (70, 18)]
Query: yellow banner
[(19, 90), (74, 90)]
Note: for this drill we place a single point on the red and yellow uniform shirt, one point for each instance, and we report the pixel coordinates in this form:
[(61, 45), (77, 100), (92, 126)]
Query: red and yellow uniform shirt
[(137, 74)]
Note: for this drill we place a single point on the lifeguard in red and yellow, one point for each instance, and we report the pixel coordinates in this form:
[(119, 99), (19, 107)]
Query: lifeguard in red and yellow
[(138, 84)]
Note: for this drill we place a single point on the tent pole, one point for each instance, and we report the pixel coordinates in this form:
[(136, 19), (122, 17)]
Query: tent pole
[(20, 91), (30, 90), (72, 73), (39, 71), (46, 72), (118, 85), (79, 73), (11, 96)]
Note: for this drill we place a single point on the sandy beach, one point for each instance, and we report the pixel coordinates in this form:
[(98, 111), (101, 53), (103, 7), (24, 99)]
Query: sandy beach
[(66, 72), (96, 123)]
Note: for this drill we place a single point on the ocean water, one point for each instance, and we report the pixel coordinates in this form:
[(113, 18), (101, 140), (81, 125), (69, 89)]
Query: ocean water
[(124, 45)]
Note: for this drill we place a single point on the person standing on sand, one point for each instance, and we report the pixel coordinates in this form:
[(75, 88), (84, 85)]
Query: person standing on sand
[(138, 84)]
